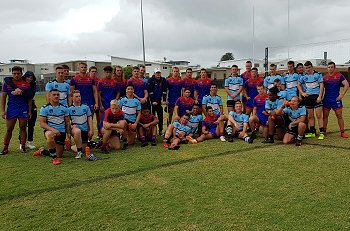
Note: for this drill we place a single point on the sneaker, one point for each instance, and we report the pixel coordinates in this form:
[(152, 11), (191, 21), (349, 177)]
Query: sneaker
[(78, 156), (4, 152), (38, 152), (125, 145), (250, 140), (104, 150), (144, 144), (165, 144), (153, 143), (56, 161), (190, 139), (23, 149), (253, 135), (230, 139), (298, 143), (174, 147), (321, 136), (310, 135), (30, 145), (268, 141), (343, 135), (92, 157), (222, 139)]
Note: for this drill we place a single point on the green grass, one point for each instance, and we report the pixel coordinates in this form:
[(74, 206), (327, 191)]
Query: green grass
[(209, 186)]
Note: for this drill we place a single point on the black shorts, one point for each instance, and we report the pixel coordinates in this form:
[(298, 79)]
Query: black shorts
[(231, 103), (115, 133), (59, 139), (310, 102), (84, 136), (293, 131)]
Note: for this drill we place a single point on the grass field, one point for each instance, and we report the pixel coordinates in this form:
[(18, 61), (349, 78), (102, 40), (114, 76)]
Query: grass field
[(209, 186)]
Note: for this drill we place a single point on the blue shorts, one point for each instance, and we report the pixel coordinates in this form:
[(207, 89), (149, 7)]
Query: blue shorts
[(335, 105), (17, 114), (263, 120), (249, 103), (244, 99)]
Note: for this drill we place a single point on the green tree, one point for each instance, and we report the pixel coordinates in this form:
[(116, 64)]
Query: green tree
[(127, 72), (227, 56)]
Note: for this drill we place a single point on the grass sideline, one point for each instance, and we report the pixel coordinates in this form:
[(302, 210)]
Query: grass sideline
[(209, 186)]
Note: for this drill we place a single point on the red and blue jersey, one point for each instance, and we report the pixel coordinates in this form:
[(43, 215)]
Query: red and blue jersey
[(121, 85), (113, 118), (332, 85), (259, 103), (209, 122), (203, 88), (189, 83), (245, 76), (147, 119), (16, 103), (139, 86), (174, 86), (85, 85), (250, 87), (108, 89), (184, 104)]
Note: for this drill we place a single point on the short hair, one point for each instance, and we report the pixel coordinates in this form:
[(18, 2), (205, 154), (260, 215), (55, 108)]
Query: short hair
[(130, 85), (59, 68), (273, 65), (248, 61), (308, 63), (234, 65), (114, 102), (291, 63), (208, 108), (187, 89), (176, 68), (203, 69), (92, 67), (82, 63), (189, 69), (260, 85), (273, 90), (75, 92), (135, 68), (65, 66), (277, 80), (213, 84), (186, 114), (331, 63), (53, 89), (255, 69), (108, 68), (300, 64), (143, 66), (17, 68), (296, 98), (238, 102)]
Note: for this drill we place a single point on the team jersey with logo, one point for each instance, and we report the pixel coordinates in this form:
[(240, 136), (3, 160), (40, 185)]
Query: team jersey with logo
[(108, 89), (174, 86), (213, 101), (311, 83), (147, 119), (121, 85), (282, 94), (209, 123), (245, 76), (233, 84), (63, 88), (293, 115), (180, 128), (55, 116), (113, 118), (130, 107), (184, 104), (269, 80), (16, 103), (85, 86), (203, 87), (240, 119), (273, 105), (332, 85), (79, 116), (291, 81), (259, 104), (194, 121), (250, 87), (139, 86), (189, 83)]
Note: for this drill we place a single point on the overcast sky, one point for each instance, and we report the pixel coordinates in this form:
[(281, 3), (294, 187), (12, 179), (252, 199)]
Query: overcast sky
[(199, 31)]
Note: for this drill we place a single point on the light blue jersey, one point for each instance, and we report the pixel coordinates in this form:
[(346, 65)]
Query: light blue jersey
[(130, 107), (55, 116), (270, 105), (194, 121), (291, 81), (311, 83), (282, 94), (213, 101), (79, 116), (294, 115), (183, 129), (233, 84), (63, 89), (269, 80), (240, 119)]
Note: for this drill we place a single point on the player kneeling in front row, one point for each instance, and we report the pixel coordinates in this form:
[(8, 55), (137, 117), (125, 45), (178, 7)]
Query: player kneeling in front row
[(55, 122), (81, 124), (212, 126), (297, 115), (176, 133), (114, 126), (237, 124), (147, 127)]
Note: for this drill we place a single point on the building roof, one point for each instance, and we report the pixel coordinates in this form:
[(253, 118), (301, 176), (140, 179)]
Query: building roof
[(138, 60)]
